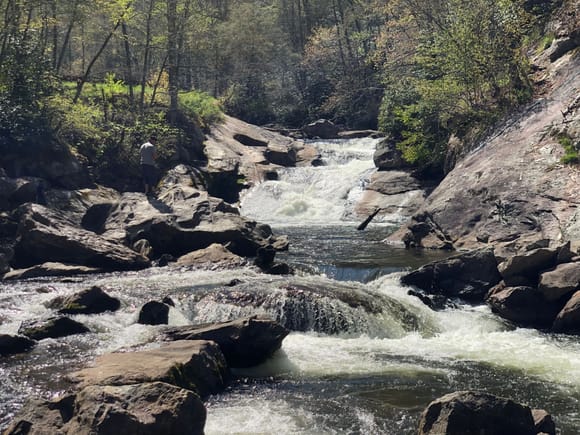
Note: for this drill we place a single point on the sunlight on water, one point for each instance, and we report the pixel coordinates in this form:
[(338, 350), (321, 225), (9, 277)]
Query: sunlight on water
[(315, 195)]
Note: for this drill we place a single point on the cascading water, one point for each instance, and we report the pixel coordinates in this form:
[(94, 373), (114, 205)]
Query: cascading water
[(366, 358)]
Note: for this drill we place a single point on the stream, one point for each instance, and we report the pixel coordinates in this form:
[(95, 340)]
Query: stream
[(344, 370)]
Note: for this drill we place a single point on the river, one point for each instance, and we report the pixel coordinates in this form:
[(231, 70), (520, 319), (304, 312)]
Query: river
[(346, 371)]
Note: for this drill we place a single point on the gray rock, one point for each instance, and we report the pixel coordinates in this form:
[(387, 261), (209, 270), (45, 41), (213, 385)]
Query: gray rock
[(53, 327), (50, 269), (568, 320), (147, 408), (244, 342), (43, 416), (476, 413), (213, 254), (468, 275), (387, 156), (89, 301), (512, 195), (183, 219), (196, 365), (322, 128), (528, 265), (12, 344), (46, 235), (525, 306), (561, 281)]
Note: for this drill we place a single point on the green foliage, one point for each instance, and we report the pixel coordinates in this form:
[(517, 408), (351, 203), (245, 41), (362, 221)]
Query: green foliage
[(201, 106), (571, 155), (466, 71), (25, 81)]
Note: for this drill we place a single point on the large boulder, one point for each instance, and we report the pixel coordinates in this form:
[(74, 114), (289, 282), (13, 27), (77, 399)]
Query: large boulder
[(47, 235), (195, 365), (511, 196), (476, 413), (526, 267), (89, 301), (525, 306), (183, 219), (388, 157), (52, 327), (561, 281), (147, 408), (568, 320), (154, 313), (213, 254), (244, 342), (467, 275), (236, 149), (322, 128), (13, 344)]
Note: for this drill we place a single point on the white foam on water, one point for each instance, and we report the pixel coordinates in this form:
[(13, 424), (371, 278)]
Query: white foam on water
[(322, 195)]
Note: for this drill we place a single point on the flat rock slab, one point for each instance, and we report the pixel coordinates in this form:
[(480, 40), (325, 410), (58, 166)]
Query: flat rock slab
[(196, 365)]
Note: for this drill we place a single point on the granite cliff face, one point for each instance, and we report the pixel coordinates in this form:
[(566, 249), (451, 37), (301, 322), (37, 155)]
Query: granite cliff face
[(512, 191)]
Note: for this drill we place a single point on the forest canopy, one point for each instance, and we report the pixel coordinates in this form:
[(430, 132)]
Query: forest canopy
[(96, 74)]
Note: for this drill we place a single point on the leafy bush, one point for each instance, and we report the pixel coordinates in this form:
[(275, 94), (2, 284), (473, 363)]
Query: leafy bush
[(201, 106), (571, 155)]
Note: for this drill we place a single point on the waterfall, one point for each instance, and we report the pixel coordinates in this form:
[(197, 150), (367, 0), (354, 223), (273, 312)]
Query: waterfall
[(321, 195)]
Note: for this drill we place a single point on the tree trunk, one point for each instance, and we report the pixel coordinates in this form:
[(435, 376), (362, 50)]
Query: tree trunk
[(146, 54), (87, 73), (172, 59), (128, 62)]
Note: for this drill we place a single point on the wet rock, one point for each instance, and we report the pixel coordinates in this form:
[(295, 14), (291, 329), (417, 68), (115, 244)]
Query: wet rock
[(476, 413), (244, 342), (147, 408), (196, 365), (50, 269), (13, 344), (154, 313), (213, 254), (468, 275), (53, 327), (47, 235), (90, 301), (527, 265), (543, 422), (525, 306), (568, 320), (322, 128), (42, 416), (561, 281)]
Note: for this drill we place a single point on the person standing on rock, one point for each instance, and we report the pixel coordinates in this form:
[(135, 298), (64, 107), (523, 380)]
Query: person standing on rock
[(148, 154)]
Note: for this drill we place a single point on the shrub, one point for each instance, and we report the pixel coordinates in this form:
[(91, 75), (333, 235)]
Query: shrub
[(200, 106)]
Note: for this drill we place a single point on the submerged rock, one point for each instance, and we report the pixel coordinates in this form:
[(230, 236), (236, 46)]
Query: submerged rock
[(90, 301), (244, 342), (13, 344), (154, 313), (476, 413), (53, 327)]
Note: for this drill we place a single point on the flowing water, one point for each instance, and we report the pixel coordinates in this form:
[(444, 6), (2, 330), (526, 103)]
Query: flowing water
[(366, 358)]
